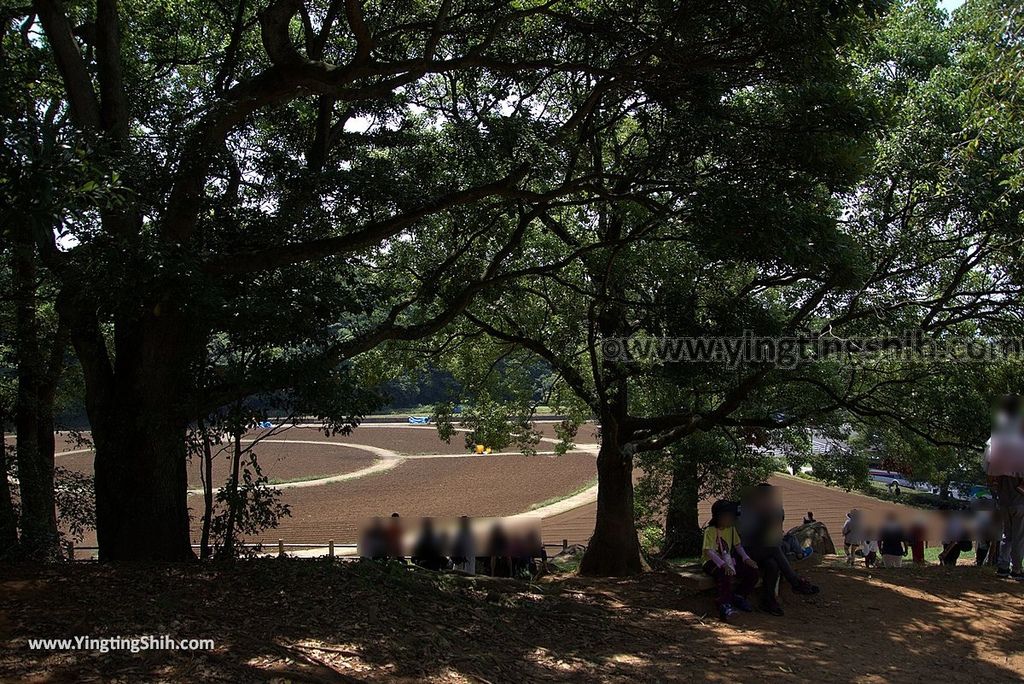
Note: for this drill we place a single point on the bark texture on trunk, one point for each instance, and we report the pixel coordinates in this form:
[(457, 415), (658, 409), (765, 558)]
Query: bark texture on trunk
[(34, 415), (614, 548), (141, 507), (138, 408), (683, 535)]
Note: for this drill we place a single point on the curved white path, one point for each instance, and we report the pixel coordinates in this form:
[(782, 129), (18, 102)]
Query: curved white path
[(389, 459)]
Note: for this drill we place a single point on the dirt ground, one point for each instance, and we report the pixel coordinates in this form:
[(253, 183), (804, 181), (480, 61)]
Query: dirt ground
[(493, 485), (478, 486), (279, 462), (317, 622), (299, 460)]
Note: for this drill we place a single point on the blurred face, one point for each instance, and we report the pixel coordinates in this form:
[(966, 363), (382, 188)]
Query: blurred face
[(767, 498), (726, 519)]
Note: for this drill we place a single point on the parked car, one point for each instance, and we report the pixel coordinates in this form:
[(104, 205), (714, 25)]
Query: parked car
[(890, 478)]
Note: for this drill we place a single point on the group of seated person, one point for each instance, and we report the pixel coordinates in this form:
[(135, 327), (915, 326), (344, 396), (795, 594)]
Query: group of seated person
[(744, 543), (507, 552)]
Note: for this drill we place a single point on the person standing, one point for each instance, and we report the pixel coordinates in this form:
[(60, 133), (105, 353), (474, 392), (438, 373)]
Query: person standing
[(892, 542), (917, 537), (852, 535), (869, 548), (428, 552), (1009, 496), (1004, 465)]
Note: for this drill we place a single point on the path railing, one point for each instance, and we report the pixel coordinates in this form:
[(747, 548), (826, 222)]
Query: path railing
[(282, 547)]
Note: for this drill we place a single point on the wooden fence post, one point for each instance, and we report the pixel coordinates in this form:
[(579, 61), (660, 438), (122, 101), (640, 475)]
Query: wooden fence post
[(330, 549), (280, 548)]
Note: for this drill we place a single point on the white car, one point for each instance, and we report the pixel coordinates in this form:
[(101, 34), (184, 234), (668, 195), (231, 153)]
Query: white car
[(890, 478)]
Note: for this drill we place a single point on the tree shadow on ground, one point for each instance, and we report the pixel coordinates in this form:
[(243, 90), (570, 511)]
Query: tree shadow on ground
[(319, 622)]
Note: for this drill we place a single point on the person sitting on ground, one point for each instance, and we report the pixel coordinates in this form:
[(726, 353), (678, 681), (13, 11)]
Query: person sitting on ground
[(428, 552), (374, 544), (869, 547), (809, 518), (464, 548), (986, 533), (792, 547), (395, 539), (853, 534), (535, 552), (500, 552), (760, 525), (954, 537), (725, 559), (892, 542), (519, 555)]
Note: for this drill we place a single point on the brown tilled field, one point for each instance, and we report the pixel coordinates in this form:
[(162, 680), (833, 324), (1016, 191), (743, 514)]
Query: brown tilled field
[(478, 486), (453, 484), (280, 462)]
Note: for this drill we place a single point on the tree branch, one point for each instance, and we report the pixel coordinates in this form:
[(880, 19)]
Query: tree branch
[(85, 107)]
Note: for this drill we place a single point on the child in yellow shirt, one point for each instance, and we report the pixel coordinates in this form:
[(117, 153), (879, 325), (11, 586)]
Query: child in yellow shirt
[(724, 558)]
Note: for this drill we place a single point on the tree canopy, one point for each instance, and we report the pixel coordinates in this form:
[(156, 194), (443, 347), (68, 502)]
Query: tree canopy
[(249, 204)]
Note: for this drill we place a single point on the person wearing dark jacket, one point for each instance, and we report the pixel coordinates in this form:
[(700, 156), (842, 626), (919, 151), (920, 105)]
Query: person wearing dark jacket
[(428, 552), (760, 526), (892, 542)]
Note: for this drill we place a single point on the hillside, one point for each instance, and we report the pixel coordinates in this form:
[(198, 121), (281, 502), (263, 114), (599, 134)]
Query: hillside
[(313, 622)]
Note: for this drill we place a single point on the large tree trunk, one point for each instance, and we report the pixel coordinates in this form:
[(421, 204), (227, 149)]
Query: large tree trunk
[(35, 453), (682, 525), (139, 408), (33, 417), (8, 521), (614, 548), (141, 482)]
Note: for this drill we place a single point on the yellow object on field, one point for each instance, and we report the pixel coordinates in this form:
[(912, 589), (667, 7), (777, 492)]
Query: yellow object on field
[(479, 448), (487, 450)]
